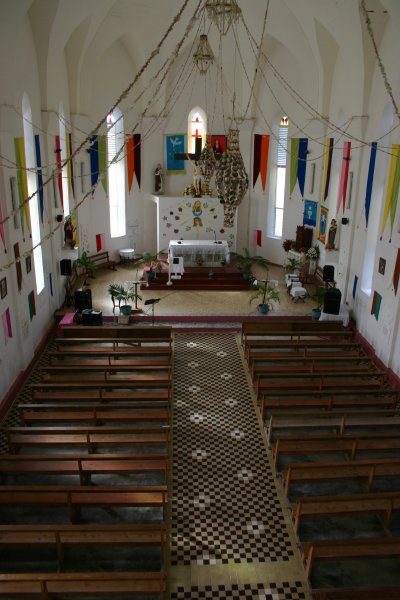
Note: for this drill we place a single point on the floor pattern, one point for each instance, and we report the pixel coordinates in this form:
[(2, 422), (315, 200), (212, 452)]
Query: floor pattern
[(225, 505)]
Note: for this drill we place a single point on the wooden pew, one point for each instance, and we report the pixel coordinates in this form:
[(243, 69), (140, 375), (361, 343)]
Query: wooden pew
[(379, 547), (49, 585), (112, 384), (296, 328), (368, 469), (60, 359), (64, 394), (74, 498), (83, 466), (88, 368), (102, 260), (379, 503), (85, 414), (31, 537), (337, 422), (349, 444), (83, 436), (290, 360), (128, 334), (370, 593)]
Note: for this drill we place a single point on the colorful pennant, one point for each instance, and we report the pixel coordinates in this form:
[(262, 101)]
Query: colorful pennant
[(323, 222), (2, 232), (261, 152), (294, 162), (327, 166), (355, 283), (392, 190), (6, 319), (31, 304), (396, 272), (19, 147), (94, 160), (70, 165), (103, 163), (370, 180), (100, 241), (298, 163), (132, 148), (57, 151), (344, 176), (310, 213), (18, 267), (39, 176), (376, 305)]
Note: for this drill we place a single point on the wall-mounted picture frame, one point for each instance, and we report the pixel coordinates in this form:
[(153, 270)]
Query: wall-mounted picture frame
[(382, 266), (3, 287), (28, 264)]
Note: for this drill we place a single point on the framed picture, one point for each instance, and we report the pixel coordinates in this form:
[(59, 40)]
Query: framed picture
[(3, 287), (382, 266), (28, 264)]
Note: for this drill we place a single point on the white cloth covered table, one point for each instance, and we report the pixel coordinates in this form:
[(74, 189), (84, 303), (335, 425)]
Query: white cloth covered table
[(126, 253), (200, 252), (344, 316)]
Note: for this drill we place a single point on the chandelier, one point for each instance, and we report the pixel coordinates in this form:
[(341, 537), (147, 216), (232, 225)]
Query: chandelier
[(223, 13), (203, 57), (231, 178)]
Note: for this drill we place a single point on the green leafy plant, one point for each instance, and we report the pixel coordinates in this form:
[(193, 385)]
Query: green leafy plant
[(267, 295), (319, 297), (245, 261), (121, 293), (153, 261), (86, 265), (292, 264)]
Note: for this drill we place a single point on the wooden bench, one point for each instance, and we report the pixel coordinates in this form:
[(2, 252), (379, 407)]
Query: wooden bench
[(379, 503), (82, 465), (87, 414), (337, 422), (338, 399), (74, 498), (375, 547), (102, 260), (125, 334), (368, 469), (90, 366), (108, 354), (300, 347), (291, 329), (62, 394), (31, 537), (104, 381), (290, 359), (91, 438), (370, 593), (51, 585)]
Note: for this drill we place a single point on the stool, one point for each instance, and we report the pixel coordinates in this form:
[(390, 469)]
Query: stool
[(297, 291), (126, 254)]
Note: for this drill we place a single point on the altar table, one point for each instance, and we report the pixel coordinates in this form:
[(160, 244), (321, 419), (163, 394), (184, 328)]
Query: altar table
[(344, 316), (200, 252)]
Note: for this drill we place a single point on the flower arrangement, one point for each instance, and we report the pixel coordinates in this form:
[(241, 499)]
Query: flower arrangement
[(312, 253), (288, 245)]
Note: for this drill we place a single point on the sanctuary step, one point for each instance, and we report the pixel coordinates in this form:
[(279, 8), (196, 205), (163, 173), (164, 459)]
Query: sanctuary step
[(214, 279)]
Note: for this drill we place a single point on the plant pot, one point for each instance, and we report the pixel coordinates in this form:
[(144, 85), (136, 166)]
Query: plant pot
[(316, 313), (125, 309), (263, 309), (150, 276), (246, 275)]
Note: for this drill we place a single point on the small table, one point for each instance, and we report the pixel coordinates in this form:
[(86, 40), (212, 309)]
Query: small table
[(126, 254), (344, 316)]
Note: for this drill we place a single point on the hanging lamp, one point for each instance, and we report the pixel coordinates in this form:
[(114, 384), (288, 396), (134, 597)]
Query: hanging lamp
[(207, 162), (231, 178), (203, 57), (223, 13)]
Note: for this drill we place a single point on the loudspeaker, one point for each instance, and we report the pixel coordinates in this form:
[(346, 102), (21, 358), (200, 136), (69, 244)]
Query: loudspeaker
[(92, 317), (333, 297), (83, 299), (328, 273), (66, 266)]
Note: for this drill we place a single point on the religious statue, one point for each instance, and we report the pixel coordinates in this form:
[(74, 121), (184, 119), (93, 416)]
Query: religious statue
[(331, 235), (217, 148), (196, 176), (159, 179), (69, 231)]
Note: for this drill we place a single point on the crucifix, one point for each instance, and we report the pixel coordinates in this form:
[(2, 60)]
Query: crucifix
[(194, 159)]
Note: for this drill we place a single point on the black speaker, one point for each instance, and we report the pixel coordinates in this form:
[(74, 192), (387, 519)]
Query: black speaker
[(83, 299), (328, 273), (66, 266), (92, 317), (333, 297)]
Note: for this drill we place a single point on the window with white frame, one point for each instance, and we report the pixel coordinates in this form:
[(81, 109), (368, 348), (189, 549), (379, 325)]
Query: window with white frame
[(281, 160), (30, 163), (116, 173), (63, 150), (197, 127)]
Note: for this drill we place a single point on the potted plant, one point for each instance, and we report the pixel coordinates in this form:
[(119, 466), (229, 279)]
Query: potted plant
[(153, 261), (122, 293), (245, 261), (87, 266), (268, 295), (319, 298), (288, 245), (291, 265)]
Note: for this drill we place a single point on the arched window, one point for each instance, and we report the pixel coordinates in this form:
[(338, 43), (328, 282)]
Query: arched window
[(281, 174), (63, 157), (197, 127), (32, 188), (116, 173)]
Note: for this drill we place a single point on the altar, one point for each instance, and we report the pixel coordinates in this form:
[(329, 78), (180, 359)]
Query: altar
[(199, 253)]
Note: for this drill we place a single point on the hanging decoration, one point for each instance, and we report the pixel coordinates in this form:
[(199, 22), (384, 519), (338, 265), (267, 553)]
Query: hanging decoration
[(6, 319), (31, 305), (231, 178), (18, 267), (396, 272), (344, 176), (103, 163), (298, 163), (376, 305), (132, 150), (94, 160), (392, 190), (261, 151), (355, 283), (223, 13), (39, 176), (57, 151), (70, 165), (2, 232), (323, 221), (175, 144), (310, 213), (208, 162), (19, 146), (370, 180), (327, 167), (203, 57), (100, 241), (51, 284)]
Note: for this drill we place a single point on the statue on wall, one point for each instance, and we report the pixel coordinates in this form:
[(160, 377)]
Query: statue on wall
[(159, 179), (330, 245), (69, 231), (197, 174)]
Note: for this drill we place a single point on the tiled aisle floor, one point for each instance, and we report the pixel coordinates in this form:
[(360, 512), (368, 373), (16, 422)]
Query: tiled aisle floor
[(230, 536)]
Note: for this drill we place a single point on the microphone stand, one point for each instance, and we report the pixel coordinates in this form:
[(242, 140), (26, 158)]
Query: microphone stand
[(211, 273)]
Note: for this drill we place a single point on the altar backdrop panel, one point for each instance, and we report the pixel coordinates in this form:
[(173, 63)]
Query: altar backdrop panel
[(189, 218)]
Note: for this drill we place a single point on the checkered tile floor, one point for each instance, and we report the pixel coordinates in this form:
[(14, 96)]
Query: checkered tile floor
[(225, 507)]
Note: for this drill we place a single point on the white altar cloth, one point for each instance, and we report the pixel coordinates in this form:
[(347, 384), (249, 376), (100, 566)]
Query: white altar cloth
[(344, 316), (200, 252)]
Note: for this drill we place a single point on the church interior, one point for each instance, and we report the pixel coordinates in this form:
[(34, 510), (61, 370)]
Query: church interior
[(184, 184)]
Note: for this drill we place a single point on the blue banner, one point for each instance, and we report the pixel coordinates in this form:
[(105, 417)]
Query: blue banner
[(175, 144), (310, 213)]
